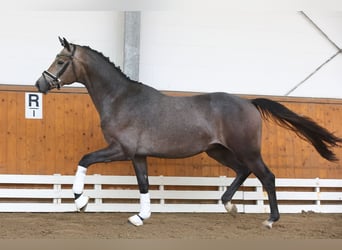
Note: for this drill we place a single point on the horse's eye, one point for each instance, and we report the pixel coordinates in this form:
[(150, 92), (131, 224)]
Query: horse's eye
[(60, 62)]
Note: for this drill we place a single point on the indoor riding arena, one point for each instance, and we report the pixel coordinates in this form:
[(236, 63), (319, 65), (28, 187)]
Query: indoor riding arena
[(292, 58)]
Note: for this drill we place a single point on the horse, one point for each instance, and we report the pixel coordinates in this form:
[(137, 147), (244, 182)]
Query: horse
[(138, 121)]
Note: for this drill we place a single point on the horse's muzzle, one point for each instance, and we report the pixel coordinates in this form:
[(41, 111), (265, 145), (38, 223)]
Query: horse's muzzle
[(42, 85)]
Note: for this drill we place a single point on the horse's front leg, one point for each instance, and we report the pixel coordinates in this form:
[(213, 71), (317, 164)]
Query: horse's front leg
[(113, 152), (140, 167)]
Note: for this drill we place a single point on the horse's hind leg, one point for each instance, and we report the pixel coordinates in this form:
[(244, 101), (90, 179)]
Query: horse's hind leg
[(241, 176), (140, 167), (243, 169), (227, 158), (267, 178)]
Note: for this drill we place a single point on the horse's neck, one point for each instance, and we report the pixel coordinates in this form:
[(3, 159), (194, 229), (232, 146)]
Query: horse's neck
[(106, 85)]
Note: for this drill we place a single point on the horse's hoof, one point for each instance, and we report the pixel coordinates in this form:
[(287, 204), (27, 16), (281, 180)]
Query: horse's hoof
[(136, 220), (267, 224), (81, 203), (231, 208), (83, 209)]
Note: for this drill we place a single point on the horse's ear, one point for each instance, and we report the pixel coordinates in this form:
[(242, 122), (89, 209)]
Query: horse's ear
[(64, 42), (61, 41)]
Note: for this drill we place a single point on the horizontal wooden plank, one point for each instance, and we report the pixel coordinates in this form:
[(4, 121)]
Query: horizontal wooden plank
[(187, 195), (330, 196), (193, 181), (282, 196), (284, 182), (29, 193), (36, 179), (155, 194), (121, 207), (168, 194), (330, 183), (163, 180), (36, 207), (116, 180), (294, 208)]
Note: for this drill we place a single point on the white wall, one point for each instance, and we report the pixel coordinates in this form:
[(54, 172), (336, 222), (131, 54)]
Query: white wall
[(240, 52), (29, 39), (251, 52)]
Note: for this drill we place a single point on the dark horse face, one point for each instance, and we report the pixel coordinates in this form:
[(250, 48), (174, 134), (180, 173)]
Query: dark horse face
[(61, 72)]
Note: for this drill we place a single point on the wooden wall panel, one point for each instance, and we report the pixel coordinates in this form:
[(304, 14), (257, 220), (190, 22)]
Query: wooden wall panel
[(70, 129)]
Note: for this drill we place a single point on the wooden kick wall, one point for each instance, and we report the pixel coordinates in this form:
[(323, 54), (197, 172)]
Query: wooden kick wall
[(70, 128)]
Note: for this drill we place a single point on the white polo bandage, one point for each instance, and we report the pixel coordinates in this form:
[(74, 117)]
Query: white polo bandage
[(145, 206), (80, 175)]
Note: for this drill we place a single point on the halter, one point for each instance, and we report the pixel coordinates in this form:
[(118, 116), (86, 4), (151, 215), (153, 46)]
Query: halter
[(56, 81)]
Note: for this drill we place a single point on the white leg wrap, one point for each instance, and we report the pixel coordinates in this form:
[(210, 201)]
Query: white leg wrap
[(145, 206), (145, 211), (81, 202), (79, 180), (136, 220), (78, 187)]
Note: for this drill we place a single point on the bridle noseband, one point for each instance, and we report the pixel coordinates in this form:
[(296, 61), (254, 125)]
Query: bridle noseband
[(56, 81)]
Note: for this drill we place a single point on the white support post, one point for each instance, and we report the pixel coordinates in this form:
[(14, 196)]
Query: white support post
[(161, 188), (260, 202), (318, 192), (221, 189), (57, 188), (98, 188)]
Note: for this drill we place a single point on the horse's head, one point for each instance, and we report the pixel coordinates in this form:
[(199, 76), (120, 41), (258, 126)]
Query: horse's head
[(62, 71)]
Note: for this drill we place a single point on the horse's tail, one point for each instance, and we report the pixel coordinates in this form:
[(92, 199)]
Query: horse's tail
[(304, 127)]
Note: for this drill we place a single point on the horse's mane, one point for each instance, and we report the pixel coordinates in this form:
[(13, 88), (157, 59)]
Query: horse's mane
[(117, 68)]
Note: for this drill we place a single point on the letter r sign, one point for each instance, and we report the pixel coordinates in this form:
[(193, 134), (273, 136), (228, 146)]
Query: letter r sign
[(33, 106)]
